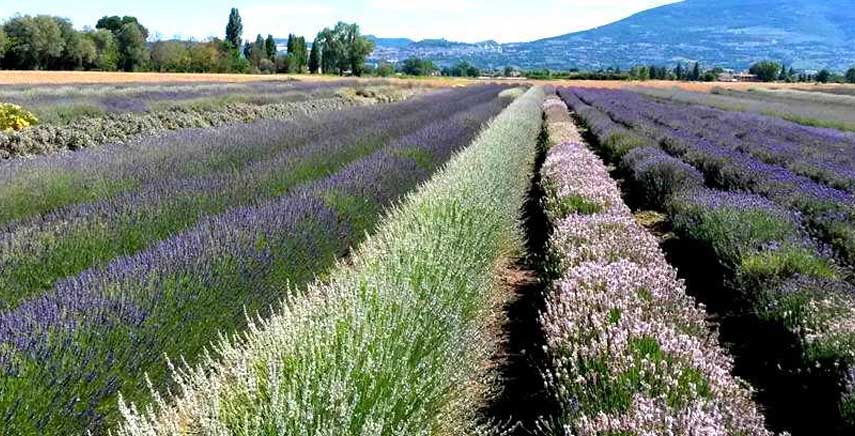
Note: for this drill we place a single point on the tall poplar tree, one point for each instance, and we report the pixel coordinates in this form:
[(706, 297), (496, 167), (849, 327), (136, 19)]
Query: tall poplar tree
[(234, 30)]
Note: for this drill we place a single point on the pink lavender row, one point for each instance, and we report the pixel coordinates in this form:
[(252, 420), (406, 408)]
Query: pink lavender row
[(630, 352)]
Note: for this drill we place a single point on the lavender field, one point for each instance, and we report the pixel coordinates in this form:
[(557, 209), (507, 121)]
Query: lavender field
[(759, 213), (379, 258), (117, 256)]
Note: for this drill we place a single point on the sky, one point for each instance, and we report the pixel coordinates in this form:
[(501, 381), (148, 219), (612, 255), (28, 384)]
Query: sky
[(457, 20)]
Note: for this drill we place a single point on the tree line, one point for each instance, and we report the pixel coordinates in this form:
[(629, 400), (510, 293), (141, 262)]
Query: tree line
[(45, 42)]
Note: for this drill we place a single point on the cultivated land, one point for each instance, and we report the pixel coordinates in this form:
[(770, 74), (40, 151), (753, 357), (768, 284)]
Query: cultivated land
[(210, 254)]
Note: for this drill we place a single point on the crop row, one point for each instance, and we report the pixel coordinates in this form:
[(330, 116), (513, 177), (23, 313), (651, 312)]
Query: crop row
[(42, 250), (64, 104), (68, 352), (630, 352), (395, 343), (32, 187), (817, 109), (768, 261), (829, 212), (121, 126), (824, 155)]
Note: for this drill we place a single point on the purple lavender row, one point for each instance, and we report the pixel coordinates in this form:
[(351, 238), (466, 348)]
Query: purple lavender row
[(140, 97), (630, 352), (35, 186), (66, 354), (64, 243), (825, 155), (829, 212)]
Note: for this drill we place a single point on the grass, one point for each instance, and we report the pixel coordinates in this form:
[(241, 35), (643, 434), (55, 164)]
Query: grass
[(395, 343)]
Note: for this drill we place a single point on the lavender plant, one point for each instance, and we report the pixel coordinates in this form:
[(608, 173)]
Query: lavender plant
[(775, 269), (828, 211), (67, 353), (630, 352), (395, 343)]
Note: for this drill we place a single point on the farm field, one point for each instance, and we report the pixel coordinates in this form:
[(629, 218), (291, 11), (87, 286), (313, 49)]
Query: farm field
[(192, 255), (126, 253), (817, 109)]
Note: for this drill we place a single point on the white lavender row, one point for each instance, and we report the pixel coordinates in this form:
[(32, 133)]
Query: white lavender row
[(397, 342)]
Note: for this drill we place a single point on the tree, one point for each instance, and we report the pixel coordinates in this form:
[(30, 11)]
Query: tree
[(783, 77), (3, 40), (679, 72), (270, 48), (234, 29), (315, 58), (115, 24), (418, 67), (297, 53), (171, 56), (106, 50), (77, 52), (283, 63), (385, 69), (824, 76), (462, 69), (343, 48), (133, 52), (850, 75), (696, 72), (767, 71), (33, 42)]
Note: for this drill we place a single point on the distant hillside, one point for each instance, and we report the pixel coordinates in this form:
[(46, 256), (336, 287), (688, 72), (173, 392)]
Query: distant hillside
[(728, 33)]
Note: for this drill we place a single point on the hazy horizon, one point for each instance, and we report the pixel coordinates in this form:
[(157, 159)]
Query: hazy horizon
[(458, 20)]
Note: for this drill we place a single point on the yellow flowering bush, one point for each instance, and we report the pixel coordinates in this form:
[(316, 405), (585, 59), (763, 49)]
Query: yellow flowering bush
[(15, 118)]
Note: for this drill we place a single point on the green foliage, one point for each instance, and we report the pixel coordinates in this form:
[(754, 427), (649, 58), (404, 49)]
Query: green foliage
[(106, 50), (234, 29), (343, 49), (772, 265), (462, 69), (133, 51), (115, 24), (3, 41), (418, 67), (298, 55), (15, 118), (270, 47), (385, 69), (34, 42), (315, 58), (850, 75), (766, 71), (575, 204), (824, 76), (170, 56)]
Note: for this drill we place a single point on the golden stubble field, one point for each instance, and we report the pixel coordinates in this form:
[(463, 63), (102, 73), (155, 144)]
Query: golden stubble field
[(36, 78)]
